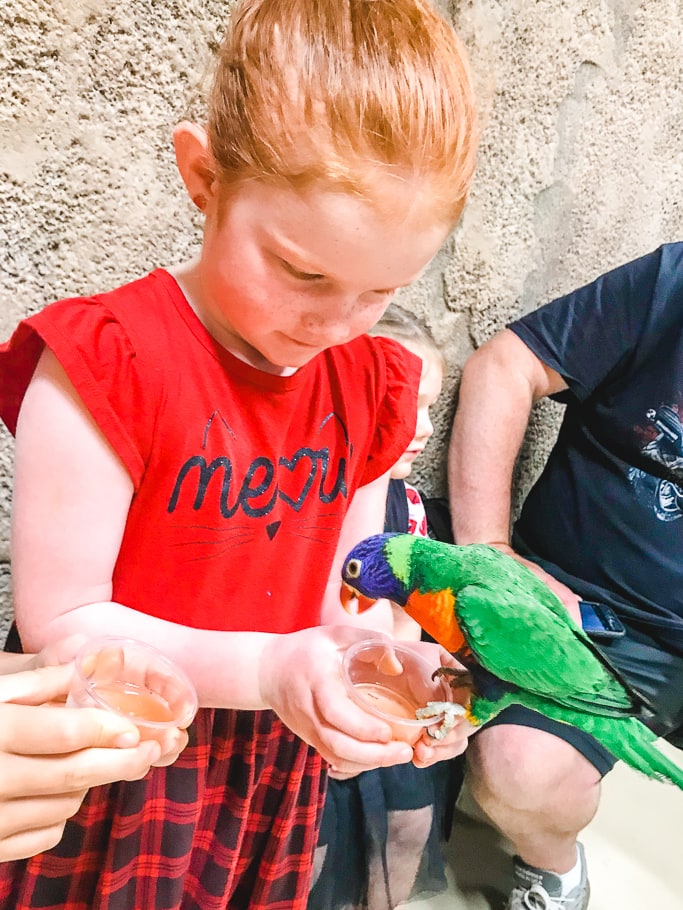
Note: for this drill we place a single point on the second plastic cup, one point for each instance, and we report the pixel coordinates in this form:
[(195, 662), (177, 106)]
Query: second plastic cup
[(136, 680), (392, 681)]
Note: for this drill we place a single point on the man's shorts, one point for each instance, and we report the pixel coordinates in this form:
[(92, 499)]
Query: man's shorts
[(643, 663)]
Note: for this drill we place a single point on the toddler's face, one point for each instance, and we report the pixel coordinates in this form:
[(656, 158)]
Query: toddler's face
[(286, 274), (430, 389)]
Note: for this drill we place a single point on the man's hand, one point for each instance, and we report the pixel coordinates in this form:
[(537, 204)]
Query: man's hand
[(565, 594)]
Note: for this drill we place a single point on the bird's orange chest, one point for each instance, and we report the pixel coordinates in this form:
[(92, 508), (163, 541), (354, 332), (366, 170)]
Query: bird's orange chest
[(435, 612)]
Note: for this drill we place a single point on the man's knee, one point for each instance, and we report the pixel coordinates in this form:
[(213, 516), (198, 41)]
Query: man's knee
[(517, 761)]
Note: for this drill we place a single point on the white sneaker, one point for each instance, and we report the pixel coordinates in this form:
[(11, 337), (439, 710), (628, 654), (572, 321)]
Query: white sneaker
[(538, 889)]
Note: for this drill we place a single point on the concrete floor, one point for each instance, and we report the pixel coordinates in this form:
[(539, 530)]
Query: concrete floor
[(634, 848)]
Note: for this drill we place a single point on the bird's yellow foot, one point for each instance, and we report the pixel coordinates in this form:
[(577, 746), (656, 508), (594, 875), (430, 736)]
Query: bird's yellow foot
[(445, 712)]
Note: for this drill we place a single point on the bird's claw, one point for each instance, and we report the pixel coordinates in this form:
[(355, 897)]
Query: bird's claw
[(446, 711)]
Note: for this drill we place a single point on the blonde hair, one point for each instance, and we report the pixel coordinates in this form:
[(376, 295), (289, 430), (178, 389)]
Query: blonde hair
[(334, 90), (406, 328)]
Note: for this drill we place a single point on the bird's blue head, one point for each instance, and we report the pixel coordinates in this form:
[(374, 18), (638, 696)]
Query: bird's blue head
[(368, 575)]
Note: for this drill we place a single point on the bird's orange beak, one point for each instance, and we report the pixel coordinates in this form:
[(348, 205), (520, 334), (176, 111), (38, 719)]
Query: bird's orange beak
[(352, 601)]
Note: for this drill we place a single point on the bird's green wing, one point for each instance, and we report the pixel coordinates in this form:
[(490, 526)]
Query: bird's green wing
[(517, 628), (539, 649)]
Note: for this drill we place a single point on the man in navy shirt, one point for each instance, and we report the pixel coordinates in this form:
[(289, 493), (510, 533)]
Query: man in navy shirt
[(604, 522)]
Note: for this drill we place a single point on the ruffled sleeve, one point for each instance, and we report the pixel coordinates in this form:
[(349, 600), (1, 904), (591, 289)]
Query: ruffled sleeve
[(99, 357), (396, 414)]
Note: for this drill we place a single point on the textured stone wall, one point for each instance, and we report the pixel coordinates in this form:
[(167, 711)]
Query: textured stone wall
[(581, 165)]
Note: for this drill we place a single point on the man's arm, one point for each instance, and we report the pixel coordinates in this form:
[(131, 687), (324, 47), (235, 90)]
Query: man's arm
[(500, 383)]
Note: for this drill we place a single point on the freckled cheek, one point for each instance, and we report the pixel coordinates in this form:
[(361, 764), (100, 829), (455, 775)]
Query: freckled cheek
[(364, 318), (321, 316), (259, 293), (333, 319)]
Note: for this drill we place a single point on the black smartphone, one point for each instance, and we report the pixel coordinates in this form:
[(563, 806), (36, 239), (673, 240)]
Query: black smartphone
[(600, 621)]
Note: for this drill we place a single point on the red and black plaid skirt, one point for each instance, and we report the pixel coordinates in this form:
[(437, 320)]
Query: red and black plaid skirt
[(232, 824)]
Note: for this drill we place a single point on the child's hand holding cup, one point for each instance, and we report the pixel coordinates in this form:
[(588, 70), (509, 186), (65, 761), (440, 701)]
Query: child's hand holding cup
[(136, 680), (392, 681)]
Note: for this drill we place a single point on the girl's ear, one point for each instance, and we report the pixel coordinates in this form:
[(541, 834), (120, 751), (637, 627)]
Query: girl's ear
[(195, 162)]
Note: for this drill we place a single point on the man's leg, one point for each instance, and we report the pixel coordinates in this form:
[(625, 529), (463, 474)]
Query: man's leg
[(538, 781), (538, 790)]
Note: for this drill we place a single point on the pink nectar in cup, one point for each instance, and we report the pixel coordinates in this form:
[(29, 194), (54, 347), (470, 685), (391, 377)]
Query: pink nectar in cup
[(136, 680), (135, 702), (392, 681)]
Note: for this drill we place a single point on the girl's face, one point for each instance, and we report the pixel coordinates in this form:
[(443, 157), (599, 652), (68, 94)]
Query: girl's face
[(430, 389), (285, 274)]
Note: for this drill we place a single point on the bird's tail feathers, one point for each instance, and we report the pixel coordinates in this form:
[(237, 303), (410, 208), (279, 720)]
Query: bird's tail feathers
[(636, 745), (627, 738)]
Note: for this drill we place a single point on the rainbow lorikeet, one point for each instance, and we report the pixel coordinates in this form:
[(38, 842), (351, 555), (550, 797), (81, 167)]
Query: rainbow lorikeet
[(512, 633)]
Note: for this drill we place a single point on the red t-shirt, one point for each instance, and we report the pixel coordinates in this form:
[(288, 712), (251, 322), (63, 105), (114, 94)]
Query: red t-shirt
[(242, 479)]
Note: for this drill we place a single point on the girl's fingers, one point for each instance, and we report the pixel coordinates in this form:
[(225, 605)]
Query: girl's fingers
[(60, 652), (172, 744), (427, 751)]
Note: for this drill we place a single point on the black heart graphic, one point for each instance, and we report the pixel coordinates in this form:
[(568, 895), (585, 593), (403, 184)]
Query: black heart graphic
[(290, 464)]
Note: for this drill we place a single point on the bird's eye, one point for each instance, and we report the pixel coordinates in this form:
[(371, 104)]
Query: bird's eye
[(353, 568)]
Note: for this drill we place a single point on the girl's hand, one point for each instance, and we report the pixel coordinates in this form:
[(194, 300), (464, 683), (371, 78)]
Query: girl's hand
[(171, 744), (300, 678), (340, 775), (51, 755), (428, 751)]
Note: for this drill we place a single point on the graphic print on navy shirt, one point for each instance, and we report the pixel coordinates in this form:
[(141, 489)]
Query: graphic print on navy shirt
[(664, 446), (252, 500)]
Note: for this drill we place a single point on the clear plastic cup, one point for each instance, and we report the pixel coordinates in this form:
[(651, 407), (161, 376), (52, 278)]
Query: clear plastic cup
[(136, 680), (392, 681)]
